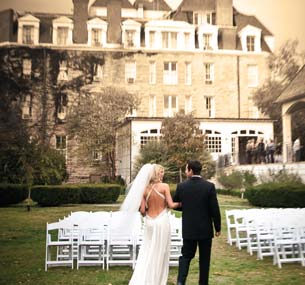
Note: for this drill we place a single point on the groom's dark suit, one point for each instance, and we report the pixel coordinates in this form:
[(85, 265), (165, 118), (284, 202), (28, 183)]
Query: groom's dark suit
[(200, 211)]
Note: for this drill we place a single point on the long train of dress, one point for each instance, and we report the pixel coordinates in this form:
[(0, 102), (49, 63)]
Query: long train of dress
[(153, 260)]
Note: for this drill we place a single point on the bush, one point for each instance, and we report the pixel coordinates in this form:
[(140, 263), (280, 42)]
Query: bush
[(75, 194), (274, 194), (12, 193), (55, 195), (97, 194), (236, 179), (231, 192)]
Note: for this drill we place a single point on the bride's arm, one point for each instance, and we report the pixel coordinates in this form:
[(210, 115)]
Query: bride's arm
[(169, 199), (143, 207)]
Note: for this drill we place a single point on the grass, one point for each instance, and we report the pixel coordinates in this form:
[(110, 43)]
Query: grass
[(22, 253)]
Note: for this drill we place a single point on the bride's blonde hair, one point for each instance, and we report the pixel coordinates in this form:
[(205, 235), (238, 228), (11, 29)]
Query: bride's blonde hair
[(156, 173)]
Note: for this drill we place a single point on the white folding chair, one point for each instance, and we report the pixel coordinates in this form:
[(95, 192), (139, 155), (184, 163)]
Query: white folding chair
[(120, 243), (59, 252), (176, 240)]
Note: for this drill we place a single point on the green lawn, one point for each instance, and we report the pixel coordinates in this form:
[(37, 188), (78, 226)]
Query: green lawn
[(22, 253)]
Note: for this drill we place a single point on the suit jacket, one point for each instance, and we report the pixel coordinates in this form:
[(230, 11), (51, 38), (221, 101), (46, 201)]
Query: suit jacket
[(200, 209)]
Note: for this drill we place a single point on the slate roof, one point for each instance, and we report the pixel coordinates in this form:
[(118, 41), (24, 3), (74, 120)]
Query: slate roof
[(295, 89), (103, 3), (160, 5)]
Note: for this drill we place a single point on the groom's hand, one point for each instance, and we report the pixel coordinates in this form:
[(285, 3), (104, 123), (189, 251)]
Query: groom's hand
[(217, 234)]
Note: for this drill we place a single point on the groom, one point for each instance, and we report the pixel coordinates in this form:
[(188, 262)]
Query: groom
[(200, 211)]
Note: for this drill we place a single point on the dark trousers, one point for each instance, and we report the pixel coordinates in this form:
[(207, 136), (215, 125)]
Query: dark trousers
[(188, 252)]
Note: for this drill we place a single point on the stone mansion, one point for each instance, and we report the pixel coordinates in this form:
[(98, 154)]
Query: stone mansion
[(204, 57)]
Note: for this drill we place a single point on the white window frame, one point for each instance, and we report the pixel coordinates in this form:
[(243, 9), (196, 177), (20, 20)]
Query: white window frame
[(27, 67), (209, 76), (149, 135), (152, 72), (170, 76), (207, 39), (27, 107), (130, 72), (134, 28), (188, 73), (188, 104), (31, 22), (168, 100), (250, 40), (63, 71), (254, 33), (98, 25), (209, 106), (252, 75), (62, 107), (98, 72), (61, 144), (62, 23), (213, 142), (212, 31), (152, 105)]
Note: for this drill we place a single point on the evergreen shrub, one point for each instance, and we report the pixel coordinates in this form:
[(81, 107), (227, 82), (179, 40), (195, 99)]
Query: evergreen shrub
[(98, 194), (12, 193), (277, 195)]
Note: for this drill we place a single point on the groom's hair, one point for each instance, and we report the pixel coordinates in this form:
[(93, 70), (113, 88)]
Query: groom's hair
[(194, 165)]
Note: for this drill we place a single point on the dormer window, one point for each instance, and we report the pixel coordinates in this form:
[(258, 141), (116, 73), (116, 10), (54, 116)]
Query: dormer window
[(208, 37), (131, 33), (28, 30), (97, 32), (169, 40), (250, 38), (62, 31), (201, 17)]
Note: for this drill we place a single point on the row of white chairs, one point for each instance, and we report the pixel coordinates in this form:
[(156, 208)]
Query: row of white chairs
[(279, 233), (97, 239)]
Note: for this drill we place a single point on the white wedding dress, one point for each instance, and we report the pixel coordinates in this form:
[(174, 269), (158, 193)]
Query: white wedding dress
[(153, 260)]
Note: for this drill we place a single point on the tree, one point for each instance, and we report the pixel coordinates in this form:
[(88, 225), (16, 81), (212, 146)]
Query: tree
[(181, 140), (95, 119), (283, 67)]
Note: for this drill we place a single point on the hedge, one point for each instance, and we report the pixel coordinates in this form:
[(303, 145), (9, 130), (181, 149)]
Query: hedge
[(231, 192), (75, 194), (97, 194), (55, 195), (277, 195), (12, 193)]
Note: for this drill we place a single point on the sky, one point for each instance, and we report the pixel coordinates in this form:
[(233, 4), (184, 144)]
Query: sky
[(284, 18)]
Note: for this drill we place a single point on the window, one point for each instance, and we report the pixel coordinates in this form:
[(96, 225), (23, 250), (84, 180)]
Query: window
[(252, 75), (250, 43), (188, 73), (27, 107), (210, 106), (187, 39), (96, 37), (149, 135), (130, 71), (28, 34), (207, 41), (62, 106), (152, 35), (63, 71), (98, 71), (170, 75), (169, 40), (62, 35), (197, 18), (26, 68), (188, 104), (61, 144), (152, 72), (170, 105), (213, 141), (152, 105), (209, 73), (129, 37), (211, 18)]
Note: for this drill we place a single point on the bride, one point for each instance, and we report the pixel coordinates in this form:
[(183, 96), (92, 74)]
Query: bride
[(152, 197)]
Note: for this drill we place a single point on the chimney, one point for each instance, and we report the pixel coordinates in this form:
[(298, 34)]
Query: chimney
[(224, 20), (114, 34), (80, 16), (6, 25), (224, 13)]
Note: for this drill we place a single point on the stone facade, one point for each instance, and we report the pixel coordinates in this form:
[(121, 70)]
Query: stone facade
[(205, 60)]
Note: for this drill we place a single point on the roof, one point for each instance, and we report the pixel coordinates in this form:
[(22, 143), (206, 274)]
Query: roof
[(194, 5), (103, 3), (159, 5), (242, 20), (295, 89)]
